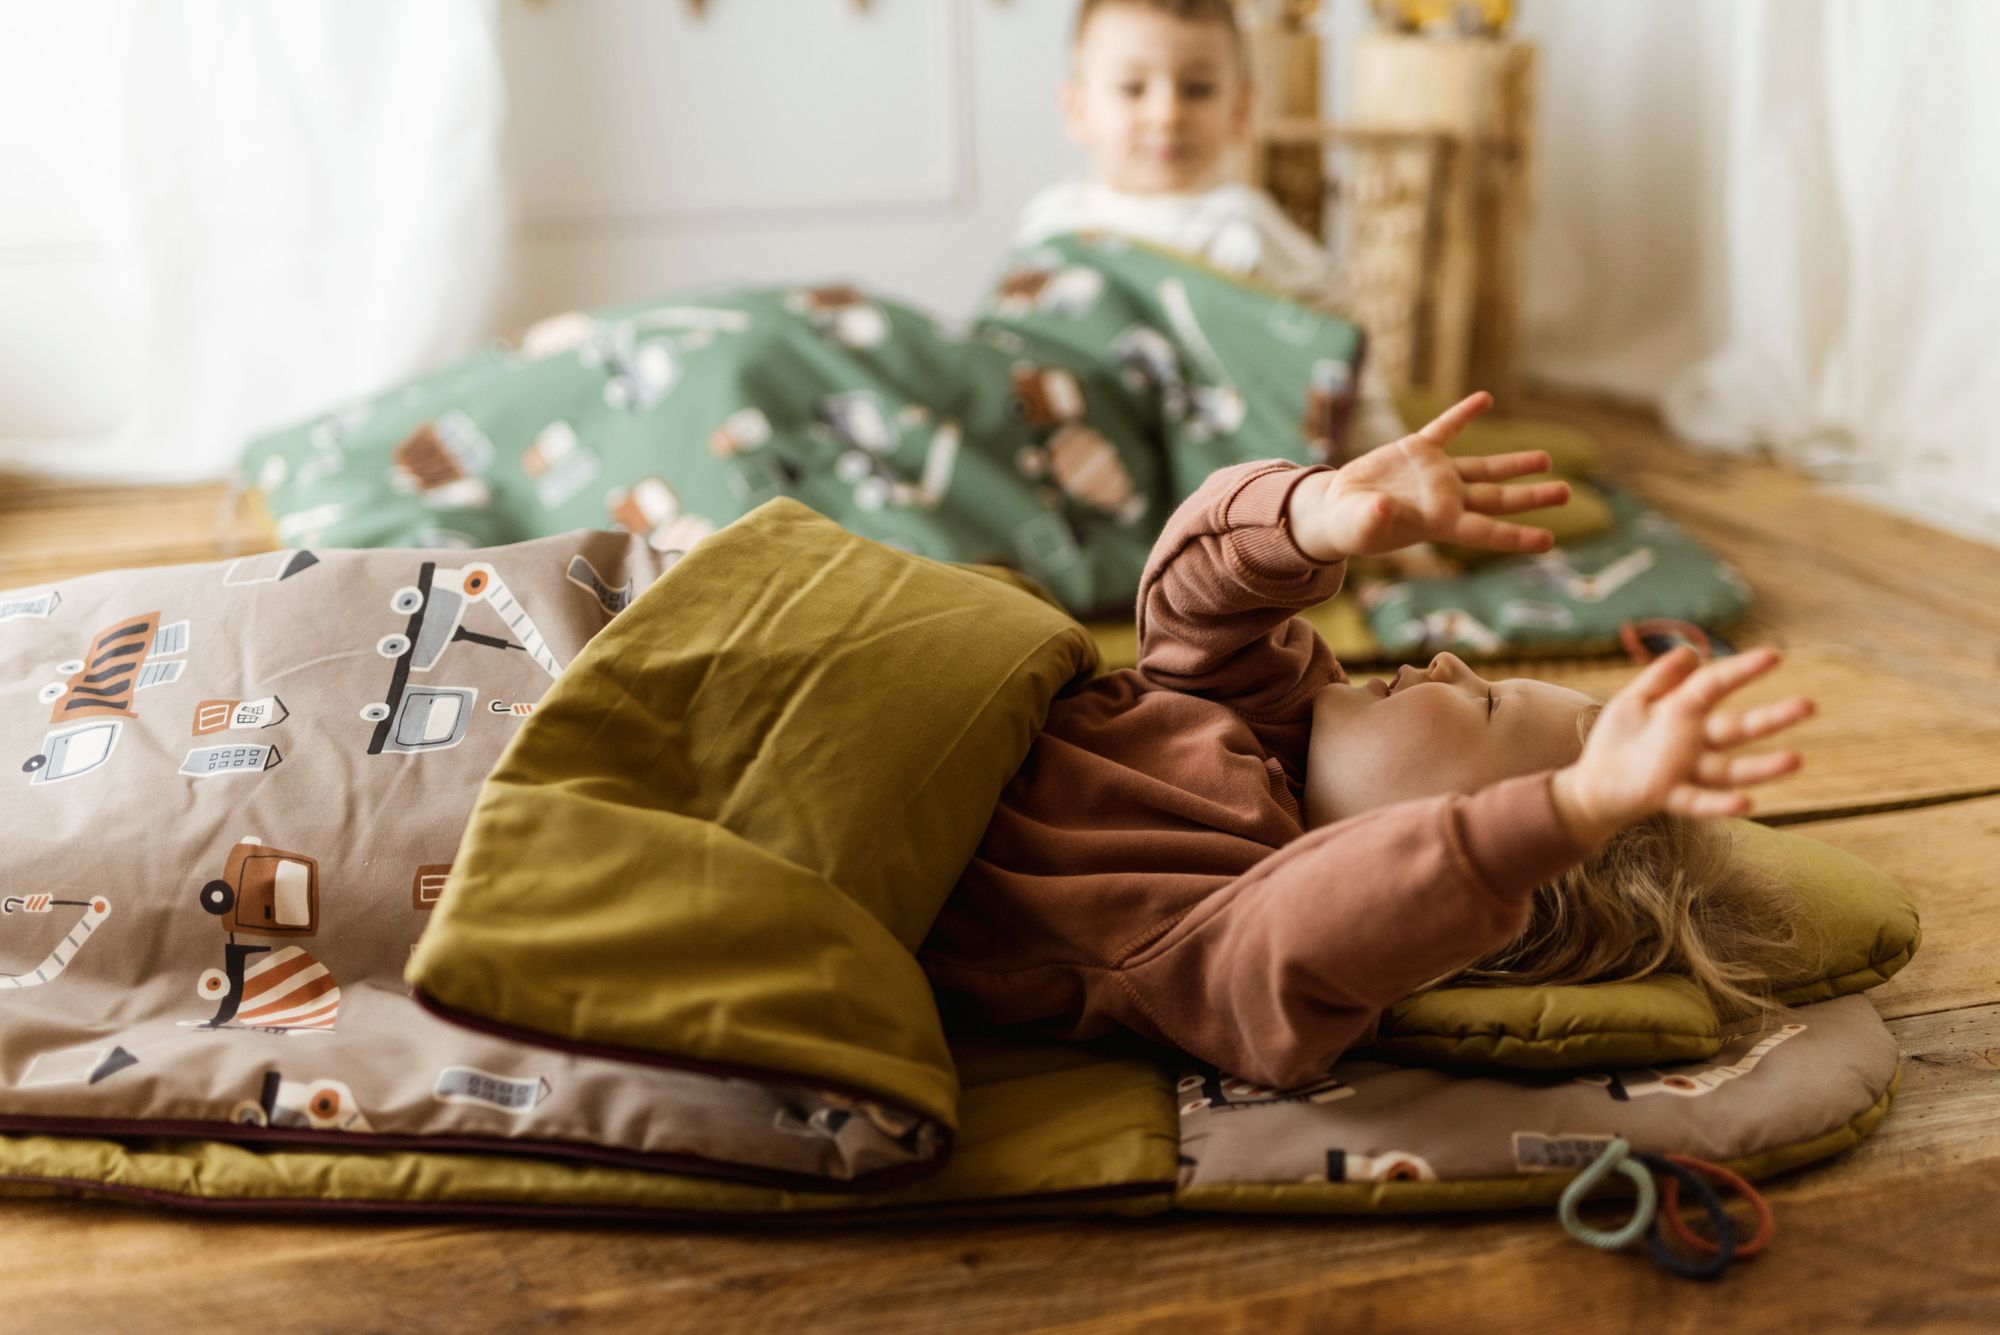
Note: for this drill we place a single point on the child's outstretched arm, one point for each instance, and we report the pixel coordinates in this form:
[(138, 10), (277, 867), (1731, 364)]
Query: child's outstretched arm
[(1276, 975), (1258, 542)]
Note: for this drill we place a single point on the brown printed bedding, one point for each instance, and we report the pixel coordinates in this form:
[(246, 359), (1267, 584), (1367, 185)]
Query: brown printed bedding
[(239, 789)]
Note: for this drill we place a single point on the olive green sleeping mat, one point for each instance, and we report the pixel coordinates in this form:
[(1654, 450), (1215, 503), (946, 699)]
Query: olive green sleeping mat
[(532, 880)]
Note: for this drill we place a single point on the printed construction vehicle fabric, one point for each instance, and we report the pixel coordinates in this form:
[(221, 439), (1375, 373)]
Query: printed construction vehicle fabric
[(237, 793), (668, 971), (1053, 434), (1101, 381)]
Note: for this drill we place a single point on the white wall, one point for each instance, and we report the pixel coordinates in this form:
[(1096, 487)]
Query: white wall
[(777, 140), (1626, 231)]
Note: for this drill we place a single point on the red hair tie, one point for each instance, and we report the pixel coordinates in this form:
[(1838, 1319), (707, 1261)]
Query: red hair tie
[(1671, 1212)]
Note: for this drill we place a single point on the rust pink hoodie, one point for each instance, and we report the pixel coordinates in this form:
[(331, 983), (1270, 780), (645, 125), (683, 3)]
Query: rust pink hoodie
[(1148, 868)]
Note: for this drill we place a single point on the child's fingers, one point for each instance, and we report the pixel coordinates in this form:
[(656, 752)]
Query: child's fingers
[(1441, 429), (1474, 530), (1723, 731), (1663, 674), (1705, 688), (1500, 467), (1687, 800), (1744, 771), (1489, 498)]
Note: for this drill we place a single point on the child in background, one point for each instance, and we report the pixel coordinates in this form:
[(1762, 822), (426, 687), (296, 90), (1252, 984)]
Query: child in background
[(1234, 849), (1158, 94)]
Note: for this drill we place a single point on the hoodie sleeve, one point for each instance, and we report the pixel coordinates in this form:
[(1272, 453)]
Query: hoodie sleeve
[(1274, 976), (1217, 599)]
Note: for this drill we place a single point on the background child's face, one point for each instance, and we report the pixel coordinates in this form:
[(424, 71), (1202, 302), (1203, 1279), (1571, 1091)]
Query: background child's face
[(1435, 730), (1155, 101)]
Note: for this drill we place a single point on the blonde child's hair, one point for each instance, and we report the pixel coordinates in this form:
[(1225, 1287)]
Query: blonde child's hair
[(1191, 11), (1669, 895)]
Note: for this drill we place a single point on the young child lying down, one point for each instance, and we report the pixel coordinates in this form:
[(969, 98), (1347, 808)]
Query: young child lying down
[(1234, 849)]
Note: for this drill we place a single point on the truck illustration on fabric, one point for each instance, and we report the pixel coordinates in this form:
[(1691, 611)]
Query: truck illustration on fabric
[(558, 463), (267, 892), (1051, 288), (444, 463), (305, 1105), (842, 313), (88, 709), (516, 1096), (37, 605), (1062, 449), (415, 717), (1388, 1166), (652, 509)]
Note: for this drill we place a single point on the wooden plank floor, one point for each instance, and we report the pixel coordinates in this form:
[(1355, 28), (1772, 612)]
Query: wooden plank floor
[(1894, 628)]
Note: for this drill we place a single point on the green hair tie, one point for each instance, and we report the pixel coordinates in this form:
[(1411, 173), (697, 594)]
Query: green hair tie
[(1612, 1160)]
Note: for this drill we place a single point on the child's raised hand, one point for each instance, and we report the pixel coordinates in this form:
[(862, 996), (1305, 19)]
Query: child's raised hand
[(1411, 491), (1659, 746)]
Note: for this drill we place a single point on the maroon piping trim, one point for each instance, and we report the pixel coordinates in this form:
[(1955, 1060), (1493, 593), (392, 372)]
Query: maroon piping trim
[(238, 1205), (762, 1075), (667, 1162)]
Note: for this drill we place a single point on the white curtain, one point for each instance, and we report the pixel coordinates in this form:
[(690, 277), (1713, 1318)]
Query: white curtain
[(1775, 219), (307, 202), (1862, 279)]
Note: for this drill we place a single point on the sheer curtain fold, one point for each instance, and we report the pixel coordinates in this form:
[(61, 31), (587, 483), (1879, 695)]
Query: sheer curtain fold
[(310, 204), (1861, 279)]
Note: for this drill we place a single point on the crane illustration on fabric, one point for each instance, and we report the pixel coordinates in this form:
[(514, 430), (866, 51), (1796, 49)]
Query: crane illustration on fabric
[(414, 718), (89, 708), (1689, 1081), (868, 435), (1215, 406), (14, 908), (267, 892)]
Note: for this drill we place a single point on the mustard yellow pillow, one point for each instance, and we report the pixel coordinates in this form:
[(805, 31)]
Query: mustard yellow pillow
[(1863, 930)]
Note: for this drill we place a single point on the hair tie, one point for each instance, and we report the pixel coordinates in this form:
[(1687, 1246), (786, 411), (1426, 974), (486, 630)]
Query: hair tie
[(1612, 1160), (1670, 1207), (1725, 1227)]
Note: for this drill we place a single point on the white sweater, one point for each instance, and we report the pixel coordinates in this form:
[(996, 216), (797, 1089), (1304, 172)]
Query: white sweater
[(1234, 227)]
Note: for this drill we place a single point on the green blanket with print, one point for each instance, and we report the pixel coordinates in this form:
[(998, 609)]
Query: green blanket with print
[(1100, 383)]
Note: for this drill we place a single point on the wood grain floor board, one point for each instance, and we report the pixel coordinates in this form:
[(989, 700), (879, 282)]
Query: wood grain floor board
[(1947, 858)]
